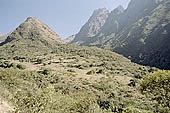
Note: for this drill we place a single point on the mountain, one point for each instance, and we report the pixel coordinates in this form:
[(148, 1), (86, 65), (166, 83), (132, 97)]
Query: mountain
[(139, 32), (33, 36), (92, 27), (33, 29), (69, 39)]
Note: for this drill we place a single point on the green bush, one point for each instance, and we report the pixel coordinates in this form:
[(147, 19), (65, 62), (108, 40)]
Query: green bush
[(46, 71), (158, 86), (21, 66)]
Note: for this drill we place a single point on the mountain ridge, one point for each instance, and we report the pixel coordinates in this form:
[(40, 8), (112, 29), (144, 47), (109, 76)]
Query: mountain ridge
[(127, 32)]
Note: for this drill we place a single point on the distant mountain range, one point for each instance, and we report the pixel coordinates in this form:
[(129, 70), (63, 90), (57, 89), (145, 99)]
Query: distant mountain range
[(141, 32)]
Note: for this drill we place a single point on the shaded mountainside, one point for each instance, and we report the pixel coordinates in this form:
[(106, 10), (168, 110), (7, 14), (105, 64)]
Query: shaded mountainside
[(147, 41), (41, 75), (140, 32)]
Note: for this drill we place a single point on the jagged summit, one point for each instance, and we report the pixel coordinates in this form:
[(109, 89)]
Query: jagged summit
[(100, 11)]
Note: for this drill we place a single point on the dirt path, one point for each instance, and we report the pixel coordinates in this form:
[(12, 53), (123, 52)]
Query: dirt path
[(5, 107)]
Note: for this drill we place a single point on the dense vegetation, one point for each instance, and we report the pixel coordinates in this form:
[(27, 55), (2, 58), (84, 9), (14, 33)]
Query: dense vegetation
[(157, 86)]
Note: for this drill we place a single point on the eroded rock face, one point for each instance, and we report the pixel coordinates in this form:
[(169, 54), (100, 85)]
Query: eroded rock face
[(93, 26)]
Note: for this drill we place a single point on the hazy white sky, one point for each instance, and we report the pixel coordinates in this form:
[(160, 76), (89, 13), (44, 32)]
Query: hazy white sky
[(65, 17)]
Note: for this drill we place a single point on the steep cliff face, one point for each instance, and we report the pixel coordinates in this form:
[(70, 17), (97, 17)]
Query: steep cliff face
[(92, 27)]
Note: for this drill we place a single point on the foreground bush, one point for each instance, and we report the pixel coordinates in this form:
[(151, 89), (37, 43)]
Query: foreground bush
[(158, 86)]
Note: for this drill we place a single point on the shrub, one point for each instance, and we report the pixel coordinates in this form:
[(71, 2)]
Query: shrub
[(157, 85), (20, 66), (95, 71), (39, 61), (46, 71)]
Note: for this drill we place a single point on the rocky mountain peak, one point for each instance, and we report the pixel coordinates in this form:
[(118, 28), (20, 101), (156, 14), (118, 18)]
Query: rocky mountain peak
[(99, 14), (118, 10), (100, 11)]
